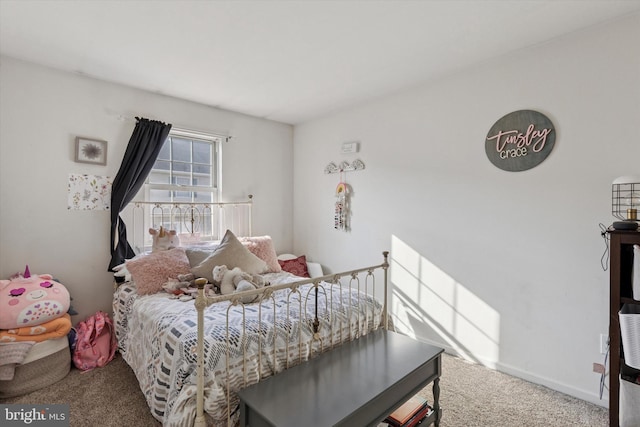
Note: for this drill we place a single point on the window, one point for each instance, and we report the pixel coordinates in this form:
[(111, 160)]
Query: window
[(186, 169)]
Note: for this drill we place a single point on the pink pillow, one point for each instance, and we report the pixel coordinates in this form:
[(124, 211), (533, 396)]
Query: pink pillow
[(297, 266), (150, 272), (262, 247)]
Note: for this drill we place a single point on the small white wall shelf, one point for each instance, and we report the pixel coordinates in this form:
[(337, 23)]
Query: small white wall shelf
[(344, 166)]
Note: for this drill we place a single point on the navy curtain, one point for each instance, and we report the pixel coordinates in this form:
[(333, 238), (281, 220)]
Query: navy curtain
[(145, 144)]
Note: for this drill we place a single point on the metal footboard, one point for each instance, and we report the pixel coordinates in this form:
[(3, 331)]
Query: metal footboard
[(300, 294)]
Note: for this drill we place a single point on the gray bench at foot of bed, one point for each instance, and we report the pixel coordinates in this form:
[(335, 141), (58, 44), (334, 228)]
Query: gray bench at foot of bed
[(356, 384)]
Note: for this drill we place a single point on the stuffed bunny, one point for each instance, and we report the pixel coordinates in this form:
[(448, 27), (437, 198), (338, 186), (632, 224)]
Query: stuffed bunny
[(236, 280)]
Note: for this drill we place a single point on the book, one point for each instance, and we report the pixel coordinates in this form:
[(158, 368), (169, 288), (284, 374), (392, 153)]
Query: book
[(419, 417), (410, 413)]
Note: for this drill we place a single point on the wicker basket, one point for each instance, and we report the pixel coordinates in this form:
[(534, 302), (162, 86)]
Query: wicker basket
[(630, 333), (38, 374)]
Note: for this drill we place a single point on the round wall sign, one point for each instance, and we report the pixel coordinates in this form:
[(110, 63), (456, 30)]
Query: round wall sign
[(520, 140)]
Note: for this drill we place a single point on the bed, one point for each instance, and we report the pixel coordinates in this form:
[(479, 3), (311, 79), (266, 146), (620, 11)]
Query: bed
[(192, 355)]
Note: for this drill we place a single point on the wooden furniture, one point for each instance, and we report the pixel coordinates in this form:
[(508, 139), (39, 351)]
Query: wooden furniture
[(620, 271), (356, 384)]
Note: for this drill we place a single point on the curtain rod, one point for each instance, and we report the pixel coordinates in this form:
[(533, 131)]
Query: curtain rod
[(180, 129)]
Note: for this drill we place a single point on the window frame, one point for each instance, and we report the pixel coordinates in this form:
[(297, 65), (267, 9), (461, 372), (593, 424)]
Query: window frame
[(216, 161)]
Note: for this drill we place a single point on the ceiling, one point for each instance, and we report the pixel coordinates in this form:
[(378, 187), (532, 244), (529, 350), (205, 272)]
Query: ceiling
[(289, 61)]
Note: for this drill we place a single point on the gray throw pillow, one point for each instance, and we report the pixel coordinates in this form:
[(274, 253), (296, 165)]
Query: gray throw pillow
[(196, 256), (233, 254)]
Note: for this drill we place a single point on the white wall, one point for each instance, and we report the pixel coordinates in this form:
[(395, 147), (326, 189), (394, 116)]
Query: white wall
[(502, 267), (41, 113)]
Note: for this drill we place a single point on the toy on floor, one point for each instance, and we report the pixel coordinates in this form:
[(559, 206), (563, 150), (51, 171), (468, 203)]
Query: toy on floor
[(31, 300)]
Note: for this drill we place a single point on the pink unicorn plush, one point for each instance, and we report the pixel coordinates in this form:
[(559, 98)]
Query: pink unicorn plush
[(31, 300)]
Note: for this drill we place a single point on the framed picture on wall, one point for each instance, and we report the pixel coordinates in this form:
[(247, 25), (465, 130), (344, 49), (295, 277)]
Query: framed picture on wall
[(91, 151)]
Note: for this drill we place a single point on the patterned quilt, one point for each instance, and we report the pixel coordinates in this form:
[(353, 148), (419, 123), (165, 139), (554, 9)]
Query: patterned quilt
[(157, 337)]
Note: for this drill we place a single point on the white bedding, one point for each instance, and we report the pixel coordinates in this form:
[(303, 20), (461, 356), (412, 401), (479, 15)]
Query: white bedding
[(157, 338)]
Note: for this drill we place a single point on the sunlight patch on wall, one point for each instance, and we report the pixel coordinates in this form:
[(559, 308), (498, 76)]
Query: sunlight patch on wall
[(428, 303)]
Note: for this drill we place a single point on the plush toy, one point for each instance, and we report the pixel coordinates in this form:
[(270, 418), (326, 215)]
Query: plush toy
[(28, 301), (236, 280), (184, 287), (174, 286), (227, 279), (258, 281), (164, 239)]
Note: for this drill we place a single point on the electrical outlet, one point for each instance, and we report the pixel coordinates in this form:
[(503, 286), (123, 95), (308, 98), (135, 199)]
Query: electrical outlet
[(604, 343)]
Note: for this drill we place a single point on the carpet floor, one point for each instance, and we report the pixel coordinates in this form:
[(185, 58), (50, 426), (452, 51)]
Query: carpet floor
[(470, 395)]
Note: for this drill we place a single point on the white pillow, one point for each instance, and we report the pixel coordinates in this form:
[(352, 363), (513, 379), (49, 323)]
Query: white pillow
[(314, 269)]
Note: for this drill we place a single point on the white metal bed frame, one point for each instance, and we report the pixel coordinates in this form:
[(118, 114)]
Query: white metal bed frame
[(318, 284), (237, 216), (208, 221)]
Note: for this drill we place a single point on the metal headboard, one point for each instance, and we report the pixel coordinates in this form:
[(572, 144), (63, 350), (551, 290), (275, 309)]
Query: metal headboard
[(195, 223)]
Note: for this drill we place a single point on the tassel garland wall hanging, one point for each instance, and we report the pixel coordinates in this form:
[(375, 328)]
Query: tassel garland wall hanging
[(340, 219), (341, 207)]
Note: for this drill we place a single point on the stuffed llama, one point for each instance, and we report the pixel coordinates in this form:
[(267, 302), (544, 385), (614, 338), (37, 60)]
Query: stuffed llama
[(236, 280), (164, 239)]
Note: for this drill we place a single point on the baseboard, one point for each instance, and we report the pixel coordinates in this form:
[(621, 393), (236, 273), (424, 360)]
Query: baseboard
[(516, 372), (554, 385)]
